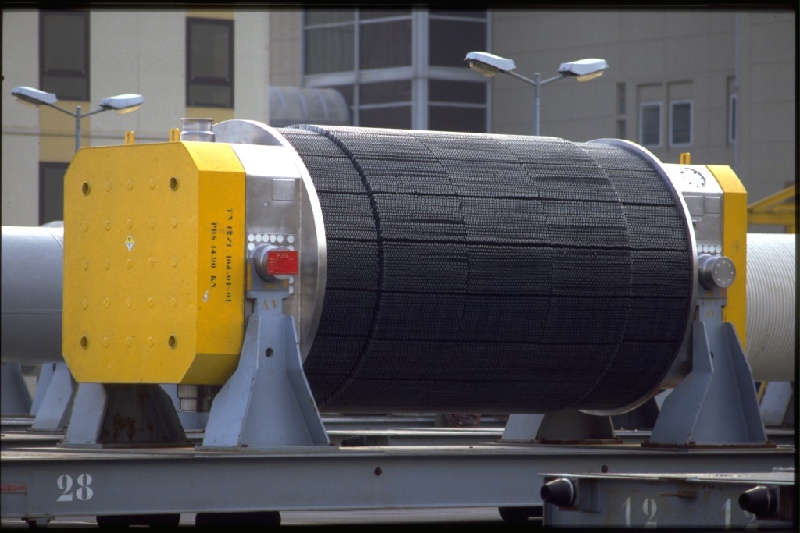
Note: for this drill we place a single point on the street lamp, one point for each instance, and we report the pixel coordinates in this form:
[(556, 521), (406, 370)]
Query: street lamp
[(489, 64), (122, 103)]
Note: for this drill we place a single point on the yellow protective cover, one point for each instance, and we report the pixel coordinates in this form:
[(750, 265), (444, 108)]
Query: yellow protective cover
[(734, 245), (154, 263)]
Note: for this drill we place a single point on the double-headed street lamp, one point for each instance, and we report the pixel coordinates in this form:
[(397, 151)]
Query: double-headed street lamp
[(122, 103), (489, 64)]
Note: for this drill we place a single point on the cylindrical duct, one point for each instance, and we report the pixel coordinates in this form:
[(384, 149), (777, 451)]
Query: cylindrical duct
[(771, 306), (33, 260), (493, 273)]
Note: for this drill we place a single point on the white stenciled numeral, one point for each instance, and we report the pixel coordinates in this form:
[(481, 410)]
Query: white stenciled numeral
[(627, 506), (70, 491), (84, 490), (649, 508), (726, 509), (752, 520), (64, 483)]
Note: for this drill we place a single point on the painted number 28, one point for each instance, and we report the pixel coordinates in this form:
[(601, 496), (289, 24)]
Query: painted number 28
[(78, 489)]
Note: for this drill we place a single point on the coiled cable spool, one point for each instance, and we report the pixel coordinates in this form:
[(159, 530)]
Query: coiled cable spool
[(771, 306)]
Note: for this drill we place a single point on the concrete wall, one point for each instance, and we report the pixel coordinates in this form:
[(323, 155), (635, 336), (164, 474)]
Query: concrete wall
[(20, 146), (767, 60), (252, 64), (664, 55), (286, 52), (139, 52), (660, 55)]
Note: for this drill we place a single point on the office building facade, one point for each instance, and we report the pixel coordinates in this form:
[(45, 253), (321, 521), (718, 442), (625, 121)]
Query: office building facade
[(717, 84)]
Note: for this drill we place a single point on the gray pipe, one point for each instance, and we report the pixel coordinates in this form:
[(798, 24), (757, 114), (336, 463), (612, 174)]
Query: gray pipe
[(32, 281), (33, 259)]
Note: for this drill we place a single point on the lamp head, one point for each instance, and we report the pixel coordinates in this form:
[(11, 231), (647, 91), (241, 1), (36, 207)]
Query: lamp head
[(123, 103), (488, 64), (584, 69), (591, 76), (33, 97)]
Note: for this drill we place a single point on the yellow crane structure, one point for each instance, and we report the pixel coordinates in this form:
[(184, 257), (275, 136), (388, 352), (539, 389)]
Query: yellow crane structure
[(777, 209)]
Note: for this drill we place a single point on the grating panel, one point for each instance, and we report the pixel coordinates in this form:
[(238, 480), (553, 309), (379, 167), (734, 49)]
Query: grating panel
[(491, 273)]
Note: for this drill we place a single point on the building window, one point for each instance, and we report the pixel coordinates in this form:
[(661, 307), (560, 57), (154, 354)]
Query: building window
[(732, 119), (386, 104), (400, 68), (51, 191), (209, 63), (622, 109), (453, 34), (650, 124), (457, 106), (384, 43), (622, 102), (680, 123), (622, 130), (64, 54), (329, 41)]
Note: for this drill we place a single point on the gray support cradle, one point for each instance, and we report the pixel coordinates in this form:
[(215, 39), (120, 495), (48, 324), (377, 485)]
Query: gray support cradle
[(54, 397), (568, 426), (46, 371), (123, 415), (716, 404), (777, 406), (267, 402), (16, 399)]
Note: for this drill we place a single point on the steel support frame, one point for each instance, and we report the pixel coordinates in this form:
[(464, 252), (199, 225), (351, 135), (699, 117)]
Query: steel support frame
[(49, 483), (673, 501)]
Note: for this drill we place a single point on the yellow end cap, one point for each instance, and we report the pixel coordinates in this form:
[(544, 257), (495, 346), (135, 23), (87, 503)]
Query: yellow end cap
[(734, 245), (154, 263)]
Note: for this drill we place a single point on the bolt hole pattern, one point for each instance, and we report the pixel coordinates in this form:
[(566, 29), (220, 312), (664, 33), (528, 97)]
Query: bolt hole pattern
[(173, 183), (172, 341), (86, 188), (84, 342)]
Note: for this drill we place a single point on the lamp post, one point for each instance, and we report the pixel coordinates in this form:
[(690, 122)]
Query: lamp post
[(489, 64), (122, 103)]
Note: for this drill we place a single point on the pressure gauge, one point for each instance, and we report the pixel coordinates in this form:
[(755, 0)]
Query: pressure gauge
[(693, 177)]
